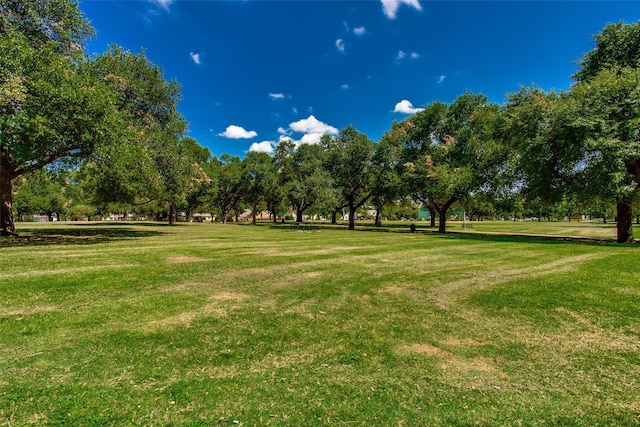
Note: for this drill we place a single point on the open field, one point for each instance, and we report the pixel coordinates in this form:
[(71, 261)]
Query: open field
[(205, 324), (572, 229)]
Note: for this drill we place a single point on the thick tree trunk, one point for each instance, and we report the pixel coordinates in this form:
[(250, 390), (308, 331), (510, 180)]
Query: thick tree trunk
[(442, 222), (432, 214), (624, 226), (7, 225), (442, 211), (334, 216), (352, 217), (173, 214), (299, 215)]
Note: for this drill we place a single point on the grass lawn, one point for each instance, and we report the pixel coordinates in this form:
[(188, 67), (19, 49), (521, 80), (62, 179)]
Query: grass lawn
[(205, 324)]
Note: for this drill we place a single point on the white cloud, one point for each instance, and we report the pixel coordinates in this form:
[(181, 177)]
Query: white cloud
[(311, 125), (390, 7), (276, 95), (311, 138), (345, 87), (195, 57), (415, 55), (162, 3), (294, 110), (406, 107), (263, 147), (359, 31), (237, 132), (441, 78), (340, 45), (311, 128)]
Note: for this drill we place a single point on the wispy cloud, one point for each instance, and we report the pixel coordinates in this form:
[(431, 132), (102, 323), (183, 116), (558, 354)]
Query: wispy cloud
[(237, 132), (195, 57), (345, 86), (359, 31), (276, 95), (406, 107), (402, 55), (441, 78), (340, 45), (162, 3), (390, 7)]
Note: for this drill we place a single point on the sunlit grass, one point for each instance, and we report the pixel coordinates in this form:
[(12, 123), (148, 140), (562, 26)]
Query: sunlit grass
[(201, 324)]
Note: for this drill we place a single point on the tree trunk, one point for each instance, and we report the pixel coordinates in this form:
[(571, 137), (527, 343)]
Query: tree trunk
[(173, 214), (299, 215), (624, 226), (352, 217), (254, 209), (334, 216), (432, 214), (378, 220), (442, 223), (7, 226)]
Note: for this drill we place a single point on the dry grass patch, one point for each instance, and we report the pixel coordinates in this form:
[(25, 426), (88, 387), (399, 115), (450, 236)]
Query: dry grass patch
[(217, 307), (186, 259), (65, 271), (450, 361), (26, 311)]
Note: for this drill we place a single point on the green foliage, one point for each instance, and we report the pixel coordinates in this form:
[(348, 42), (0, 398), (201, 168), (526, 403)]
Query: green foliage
[(309, 183), (39, 193), (43, 21), (349, 160), (448, 152), (617, 46), (230, 185)]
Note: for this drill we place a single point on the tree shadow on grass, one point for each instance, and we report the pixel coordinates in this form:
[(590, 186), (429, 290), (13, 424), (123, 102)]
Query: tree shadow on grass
[(76, 235)]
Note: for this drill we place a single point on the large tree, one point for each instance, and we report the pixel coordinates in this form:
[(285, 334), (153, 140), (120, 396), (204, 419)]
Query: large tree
[(350, 160), (386, 184), (230, 185), (148, 163), (309, 183), (51, 111), (586, 141), (450, 151), (258, 168), (608, 90)]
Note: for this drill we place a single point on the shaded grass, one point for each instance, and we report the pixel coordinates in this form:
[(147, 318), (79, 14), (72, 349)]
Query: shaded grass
[(226, 325)]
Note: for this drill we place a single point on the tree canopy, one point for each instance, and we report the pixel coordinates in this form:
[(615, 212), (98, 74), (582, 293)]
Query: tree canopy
[(113, 119)]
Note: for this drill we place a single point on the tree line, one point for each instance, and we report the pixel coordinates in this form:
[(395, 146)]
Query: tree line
[(83, 134)]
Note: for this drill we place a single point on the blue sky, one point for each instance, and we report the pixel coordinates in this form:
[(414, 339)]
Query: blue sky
[(257, 71)]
